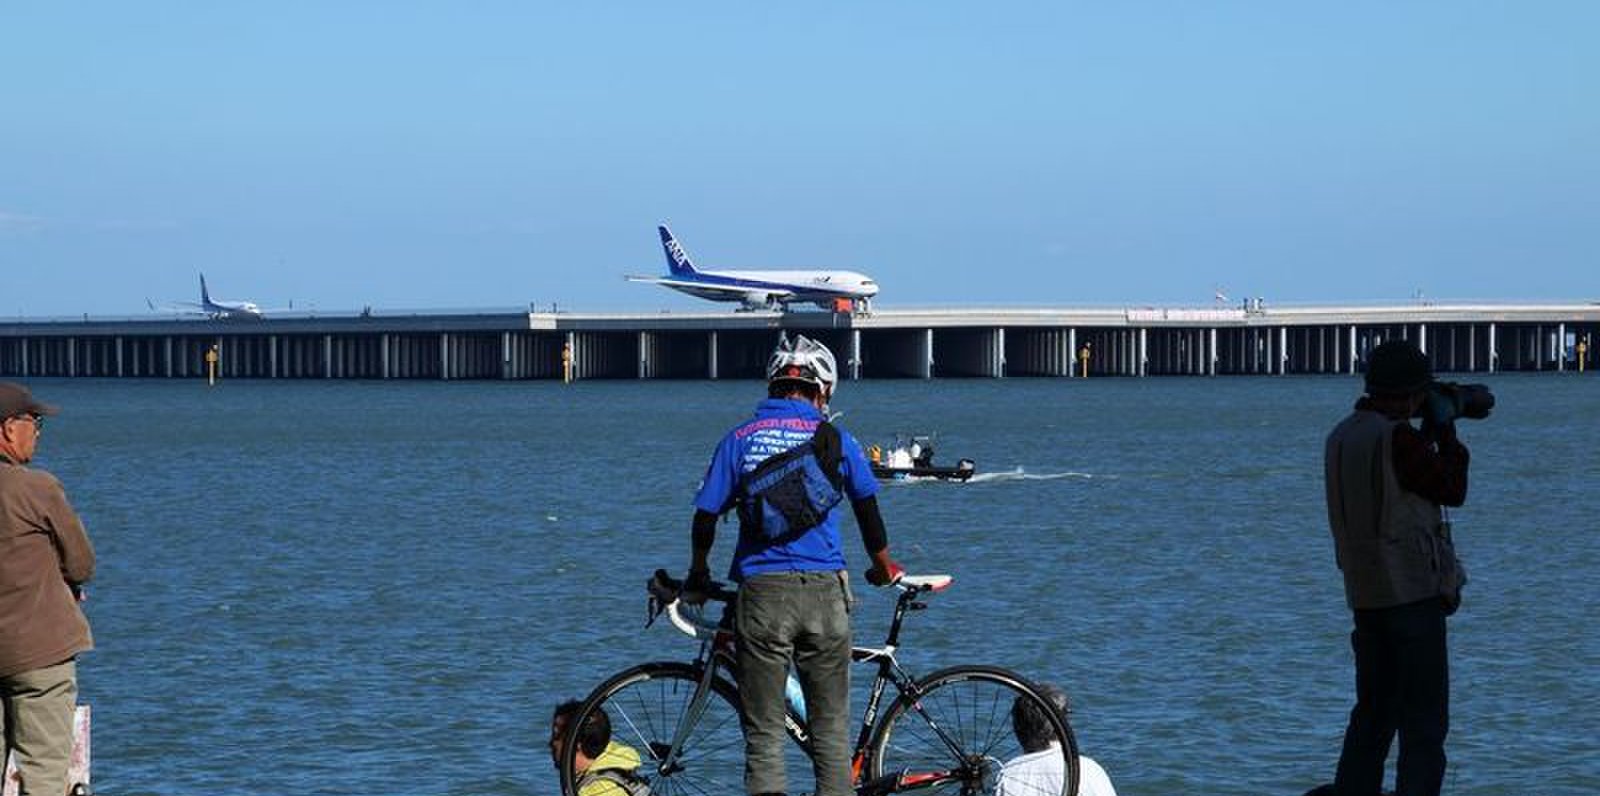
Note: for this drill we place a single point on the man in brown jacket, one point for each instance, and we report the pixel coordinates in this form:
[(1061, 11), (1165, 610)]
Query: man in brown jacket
[(45, 558)]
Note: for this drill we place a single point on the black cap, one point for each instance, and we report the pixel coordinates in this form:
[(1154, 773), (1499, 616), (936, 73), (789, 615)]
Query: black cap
[(1398, 367), (16, 400)]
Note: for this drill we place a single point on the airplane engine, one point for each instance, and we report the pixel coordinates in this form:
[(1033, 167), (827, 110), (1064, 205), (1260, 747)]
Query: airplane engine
[(757, 300)]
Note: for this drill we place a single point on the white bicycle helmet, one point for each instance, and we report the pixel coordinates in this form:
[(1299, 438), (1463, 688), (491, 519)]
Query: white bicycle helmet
[(803, 359)]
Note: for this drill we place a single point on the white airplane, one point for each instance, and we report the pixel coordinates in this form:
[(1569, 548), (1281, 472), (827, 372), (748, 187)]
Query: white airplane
[(772, 290), (215, 310)]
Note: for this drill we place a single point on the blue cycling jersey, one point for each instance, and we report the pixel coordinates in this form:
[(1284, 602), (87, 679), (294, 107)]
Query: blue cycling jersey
[(780, 424)]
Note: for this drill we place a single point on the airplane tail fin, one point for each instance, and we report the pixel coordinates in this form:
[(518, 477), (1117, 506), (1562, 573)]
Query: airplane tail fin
[(205, 295), (677, 258)]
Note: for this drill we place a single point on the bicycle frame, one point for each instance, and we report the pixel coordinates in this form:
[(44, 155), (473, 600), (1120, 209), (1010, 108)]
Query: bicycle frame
[(717, 652), (713, 651), (889, 671)]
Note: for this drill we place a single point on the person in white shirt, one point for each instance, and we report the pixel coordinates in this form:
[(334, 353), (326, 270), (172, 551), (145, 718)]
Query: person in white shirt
[(1038, 771)]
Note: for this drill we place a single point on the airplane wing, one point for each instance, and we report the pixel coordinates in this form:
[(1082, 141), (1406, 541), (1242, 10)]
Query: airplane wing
[(177, 307), (711, 290)]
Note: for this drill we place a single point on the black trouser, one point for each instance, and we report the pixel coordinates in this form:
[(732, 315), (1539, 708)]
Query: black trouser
[(1402, 685)]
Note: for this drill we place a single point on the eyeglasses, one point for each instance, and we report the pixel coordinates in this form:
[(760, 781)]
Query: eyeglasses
[(37, 420)]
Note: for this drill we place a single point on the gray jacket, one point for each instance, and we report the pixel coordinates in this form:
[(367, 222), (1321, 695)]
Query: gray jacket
[(1391, 544)]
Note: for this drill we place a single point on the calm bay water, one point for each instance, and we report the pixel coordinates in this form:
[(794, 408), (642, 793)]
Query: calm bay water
[(385, 588)]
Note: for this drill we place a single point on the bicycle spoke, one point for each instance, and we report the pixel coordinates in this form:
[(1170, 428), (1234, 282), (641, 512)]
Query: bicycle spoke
[(974, 731), (960, 738), (652, 707)]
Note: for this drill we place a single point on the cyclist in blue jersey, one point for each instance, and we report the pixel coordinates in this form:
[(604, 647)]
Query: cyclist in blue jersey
[(785, 470)]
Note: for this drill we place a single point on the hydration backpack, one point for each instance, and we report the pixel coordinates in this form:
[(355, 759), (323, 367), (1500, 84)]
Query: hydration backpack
[(792, 492), (630, 783)]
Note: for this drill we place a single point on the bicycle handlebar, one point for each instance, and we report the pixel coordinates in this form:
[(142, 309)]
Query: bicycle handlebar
[(666, 588), (690, 618)]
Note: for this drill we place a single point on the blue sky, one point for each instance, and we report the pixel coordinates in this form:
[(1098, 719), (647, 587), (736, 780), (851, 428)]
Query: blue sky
[(475, 155)]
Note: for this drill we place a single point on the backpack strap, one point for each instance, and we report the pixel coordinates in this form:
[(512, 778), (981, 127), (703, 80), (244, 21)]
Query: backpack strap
[(630, 783), (791, 492), (828, 447)]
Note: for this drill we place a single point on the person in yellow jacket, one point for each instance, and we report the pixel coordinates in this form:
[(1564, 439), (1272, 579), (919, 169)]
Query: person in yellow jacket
[(604, 767)]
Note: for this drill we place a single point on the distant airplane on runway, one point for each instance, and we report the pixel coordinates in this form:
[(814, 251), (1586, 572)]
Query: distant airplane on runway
[(215, 310), (773, 290)]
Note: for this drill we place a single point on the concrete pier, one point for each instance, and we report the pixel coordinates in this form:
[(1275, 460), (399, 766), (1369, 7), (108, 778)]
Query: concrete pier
[(943, 343)]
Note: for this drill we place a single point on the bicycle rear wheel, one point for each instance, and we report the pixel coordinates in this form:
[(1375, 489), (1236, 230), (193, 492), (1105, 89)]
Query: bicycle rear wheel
[(974, 730), (650, 705)]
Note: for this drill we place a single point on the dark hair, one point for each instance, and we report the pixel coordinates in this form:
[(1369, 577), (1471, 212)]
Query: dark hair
[(595, 733), (1397, 367), (1028, 719), (783, 388)]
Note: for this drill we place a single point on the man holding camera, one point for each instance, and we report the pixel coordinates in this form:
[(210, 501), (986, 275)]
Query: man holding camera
[(1386, 485)]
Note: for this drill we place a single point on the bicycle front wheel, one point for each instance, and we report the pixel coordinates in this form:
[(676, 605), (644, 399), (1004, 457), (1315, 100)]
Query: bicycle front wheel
[(686, 743), (974, 730)]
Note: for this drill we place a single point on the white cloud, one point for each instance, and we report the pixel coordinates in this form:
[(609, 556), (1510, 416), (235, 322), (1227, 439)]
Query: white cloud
[(132, 225), (19, 222)]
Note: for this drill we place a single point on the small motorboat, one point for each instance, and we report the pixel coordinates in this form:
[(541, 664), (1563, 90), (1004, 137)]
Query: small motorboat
[(911, 456)]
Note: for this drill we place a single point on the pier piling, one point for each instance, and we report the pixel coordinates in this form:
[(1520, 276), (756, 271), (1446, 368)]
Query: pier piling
[(971, 343)]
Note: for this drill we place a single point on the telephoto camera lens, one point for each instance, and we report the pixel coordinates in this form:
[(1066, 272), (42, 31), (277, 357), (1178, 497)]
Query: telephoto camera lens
[(1448, 401), (1475, 401)]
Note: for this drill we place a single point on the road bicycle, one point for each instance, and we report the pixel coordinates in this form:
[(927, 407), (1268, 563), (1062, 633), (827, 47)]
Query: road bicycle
[(955, 731)]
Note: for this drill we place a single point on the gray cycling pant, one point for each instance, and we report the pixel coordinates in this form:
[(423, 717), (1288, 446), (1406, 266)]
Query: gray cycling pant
[(804, 617)]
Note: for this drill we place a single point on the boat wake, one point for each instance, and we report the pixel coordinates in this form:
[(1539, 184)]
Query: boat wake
[(1018, 474)]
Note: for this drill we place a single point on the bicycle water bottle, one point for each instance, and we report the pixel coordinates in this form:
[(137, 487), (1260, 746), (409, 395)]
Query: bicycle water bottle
[(795, 696)]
